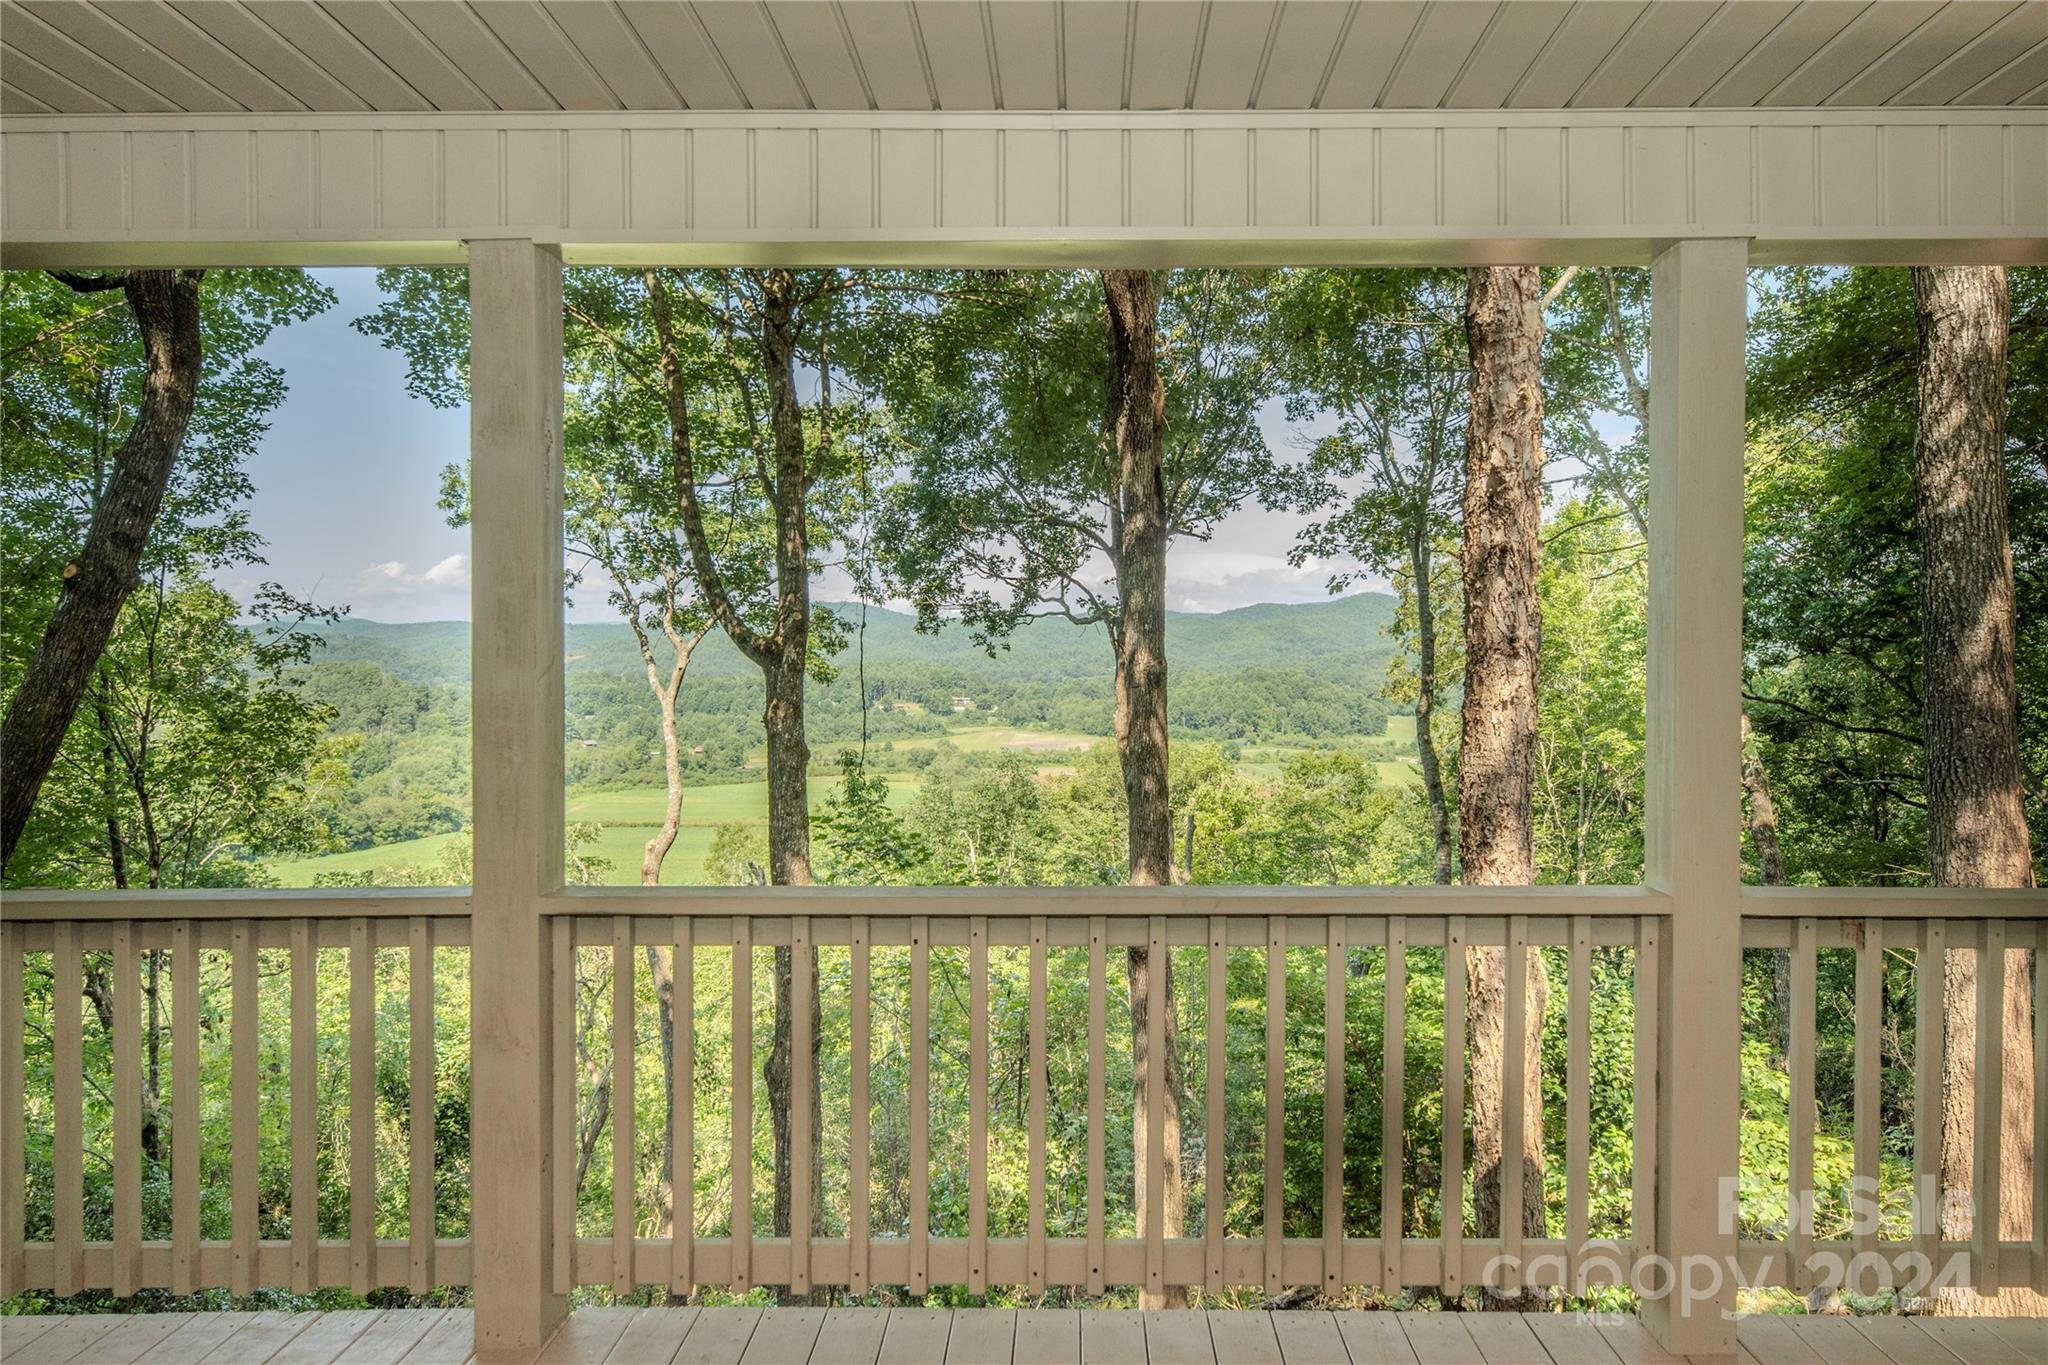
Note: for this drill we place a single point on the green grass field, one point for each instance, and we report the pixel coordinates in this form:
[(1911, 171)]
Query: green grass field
[(710, 806), (969, 739), (405, 853), (628, 816)]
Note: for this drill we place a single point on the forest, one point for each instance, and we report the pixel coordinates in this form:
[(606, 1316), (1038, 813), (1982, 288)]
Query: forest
[(998, 463)]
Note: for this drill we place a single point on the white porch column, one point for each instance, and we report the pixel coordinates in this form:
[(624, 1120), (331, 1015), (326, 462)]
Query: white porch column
[(1692, 827), (515, 297)]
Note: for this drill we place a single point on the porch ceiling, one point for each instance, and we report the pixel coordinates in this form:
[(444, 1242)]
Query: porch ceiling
[(391, 56)]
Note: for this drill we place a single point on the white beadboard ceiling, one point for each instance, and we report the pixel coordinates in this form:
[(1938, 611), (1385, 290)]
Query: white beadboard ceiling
[(392, 56)]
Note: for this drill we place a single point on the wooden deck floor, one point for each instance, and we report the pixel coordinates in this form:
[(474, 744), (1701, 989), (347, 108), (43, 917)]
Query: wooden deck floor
[(905, 1336)]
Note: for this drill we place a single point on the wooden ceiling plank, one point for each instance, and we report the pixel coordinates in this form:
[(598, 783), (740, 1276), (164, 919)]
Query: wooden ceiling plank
[(1093, 42), (1730, 35), (614, 50), (1810, 25), (885, 45), (60, 93), (317, 36), (542, 48), (1573, 52), (2013, 82), (812, 35), (13, 101), (424, 66), (677, 42), (65, 56), (472, 48), (1163, 53), (1379, 32), (1302, 53), (1925, 48), (1982, 57), (962, 79), (167, 29), (1442, 47), (1507, 50), (230, 24), (1233, 51), (96, 33), (752, 52), (1027, 53), (1873, 32), (1630, 64)]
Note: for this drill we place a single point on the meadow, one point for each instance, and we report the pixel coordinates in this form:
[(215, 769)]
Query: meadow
[(627, 816)]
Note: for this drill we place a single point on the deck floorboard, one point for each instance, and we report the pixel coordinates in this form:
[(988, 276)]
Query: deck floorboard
[(1035, 1336)]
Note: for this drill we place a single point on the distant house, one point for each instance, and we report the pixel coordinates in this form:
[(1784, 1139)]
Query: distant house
[(963, 703)]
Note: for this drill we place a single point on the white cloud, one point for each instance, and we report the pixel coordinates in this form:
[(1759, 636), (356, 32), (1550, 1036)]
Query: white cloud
[(451, 572), (394, 577), (395, 590)]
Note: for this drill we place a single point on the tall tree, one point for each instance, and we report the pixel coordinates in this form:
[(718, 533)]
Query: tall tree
[(1384, 352), (1066, 426), (757, 321), (108, 565), (1138, 538), (131, 404), (1976, 816), (1503, 634), (692, 477)]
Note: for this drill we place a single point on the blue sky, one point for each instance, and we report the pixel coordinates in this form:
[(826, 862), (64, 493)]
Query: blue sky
[(347, 476)]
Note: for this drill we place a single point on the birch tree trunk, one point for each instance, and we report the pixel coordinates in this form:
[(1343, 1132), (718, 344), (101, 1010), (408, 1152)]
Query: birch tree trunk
[(1138, 516), (1976, 819), (1503, 626)]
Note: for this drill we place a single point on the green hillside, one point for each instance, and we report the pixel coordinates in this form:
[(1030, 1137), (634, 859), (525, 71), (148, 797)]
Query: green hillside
[(1342, 638), (1264, 683)]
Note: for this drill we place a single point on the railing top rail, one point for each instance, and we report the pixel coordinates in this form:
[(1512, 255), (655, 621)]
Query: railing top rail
[(29, 905), (1057, 902), (1894, 902), (47, 906)]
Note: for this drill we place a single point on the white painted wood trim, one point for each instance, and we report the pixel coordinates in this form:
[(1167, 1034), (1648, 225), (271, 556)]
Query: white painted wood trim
[(1692, 834), (515, 292), (1035, 189)]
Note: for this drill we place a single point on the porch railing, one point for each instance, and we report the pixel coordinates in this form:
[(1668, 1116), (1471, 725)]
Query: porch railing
[(247, 937), (1041, 924), (1935, 929)]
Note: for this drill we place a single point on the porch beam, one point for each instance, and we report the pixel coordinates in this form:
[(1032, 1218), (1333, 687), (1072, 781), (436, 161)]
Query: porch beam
[(1437, 187), (515, 294), (1692, 832)]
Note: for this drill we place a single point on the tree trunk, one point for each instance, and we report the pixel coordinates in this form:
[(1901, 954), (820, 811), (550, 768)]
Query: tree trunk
[(1770, 871), (1770, 865), (1138, 515), (789, 756), (1976, 818), (97, 584), (789, 761), (1763, 812), (1503, 627), (660, 960), (782, 655), (1421, 556)]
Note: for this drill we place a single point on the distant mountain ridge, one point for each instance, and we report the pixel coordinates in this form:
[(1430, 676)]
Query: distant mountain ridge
[(1341, 638)]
